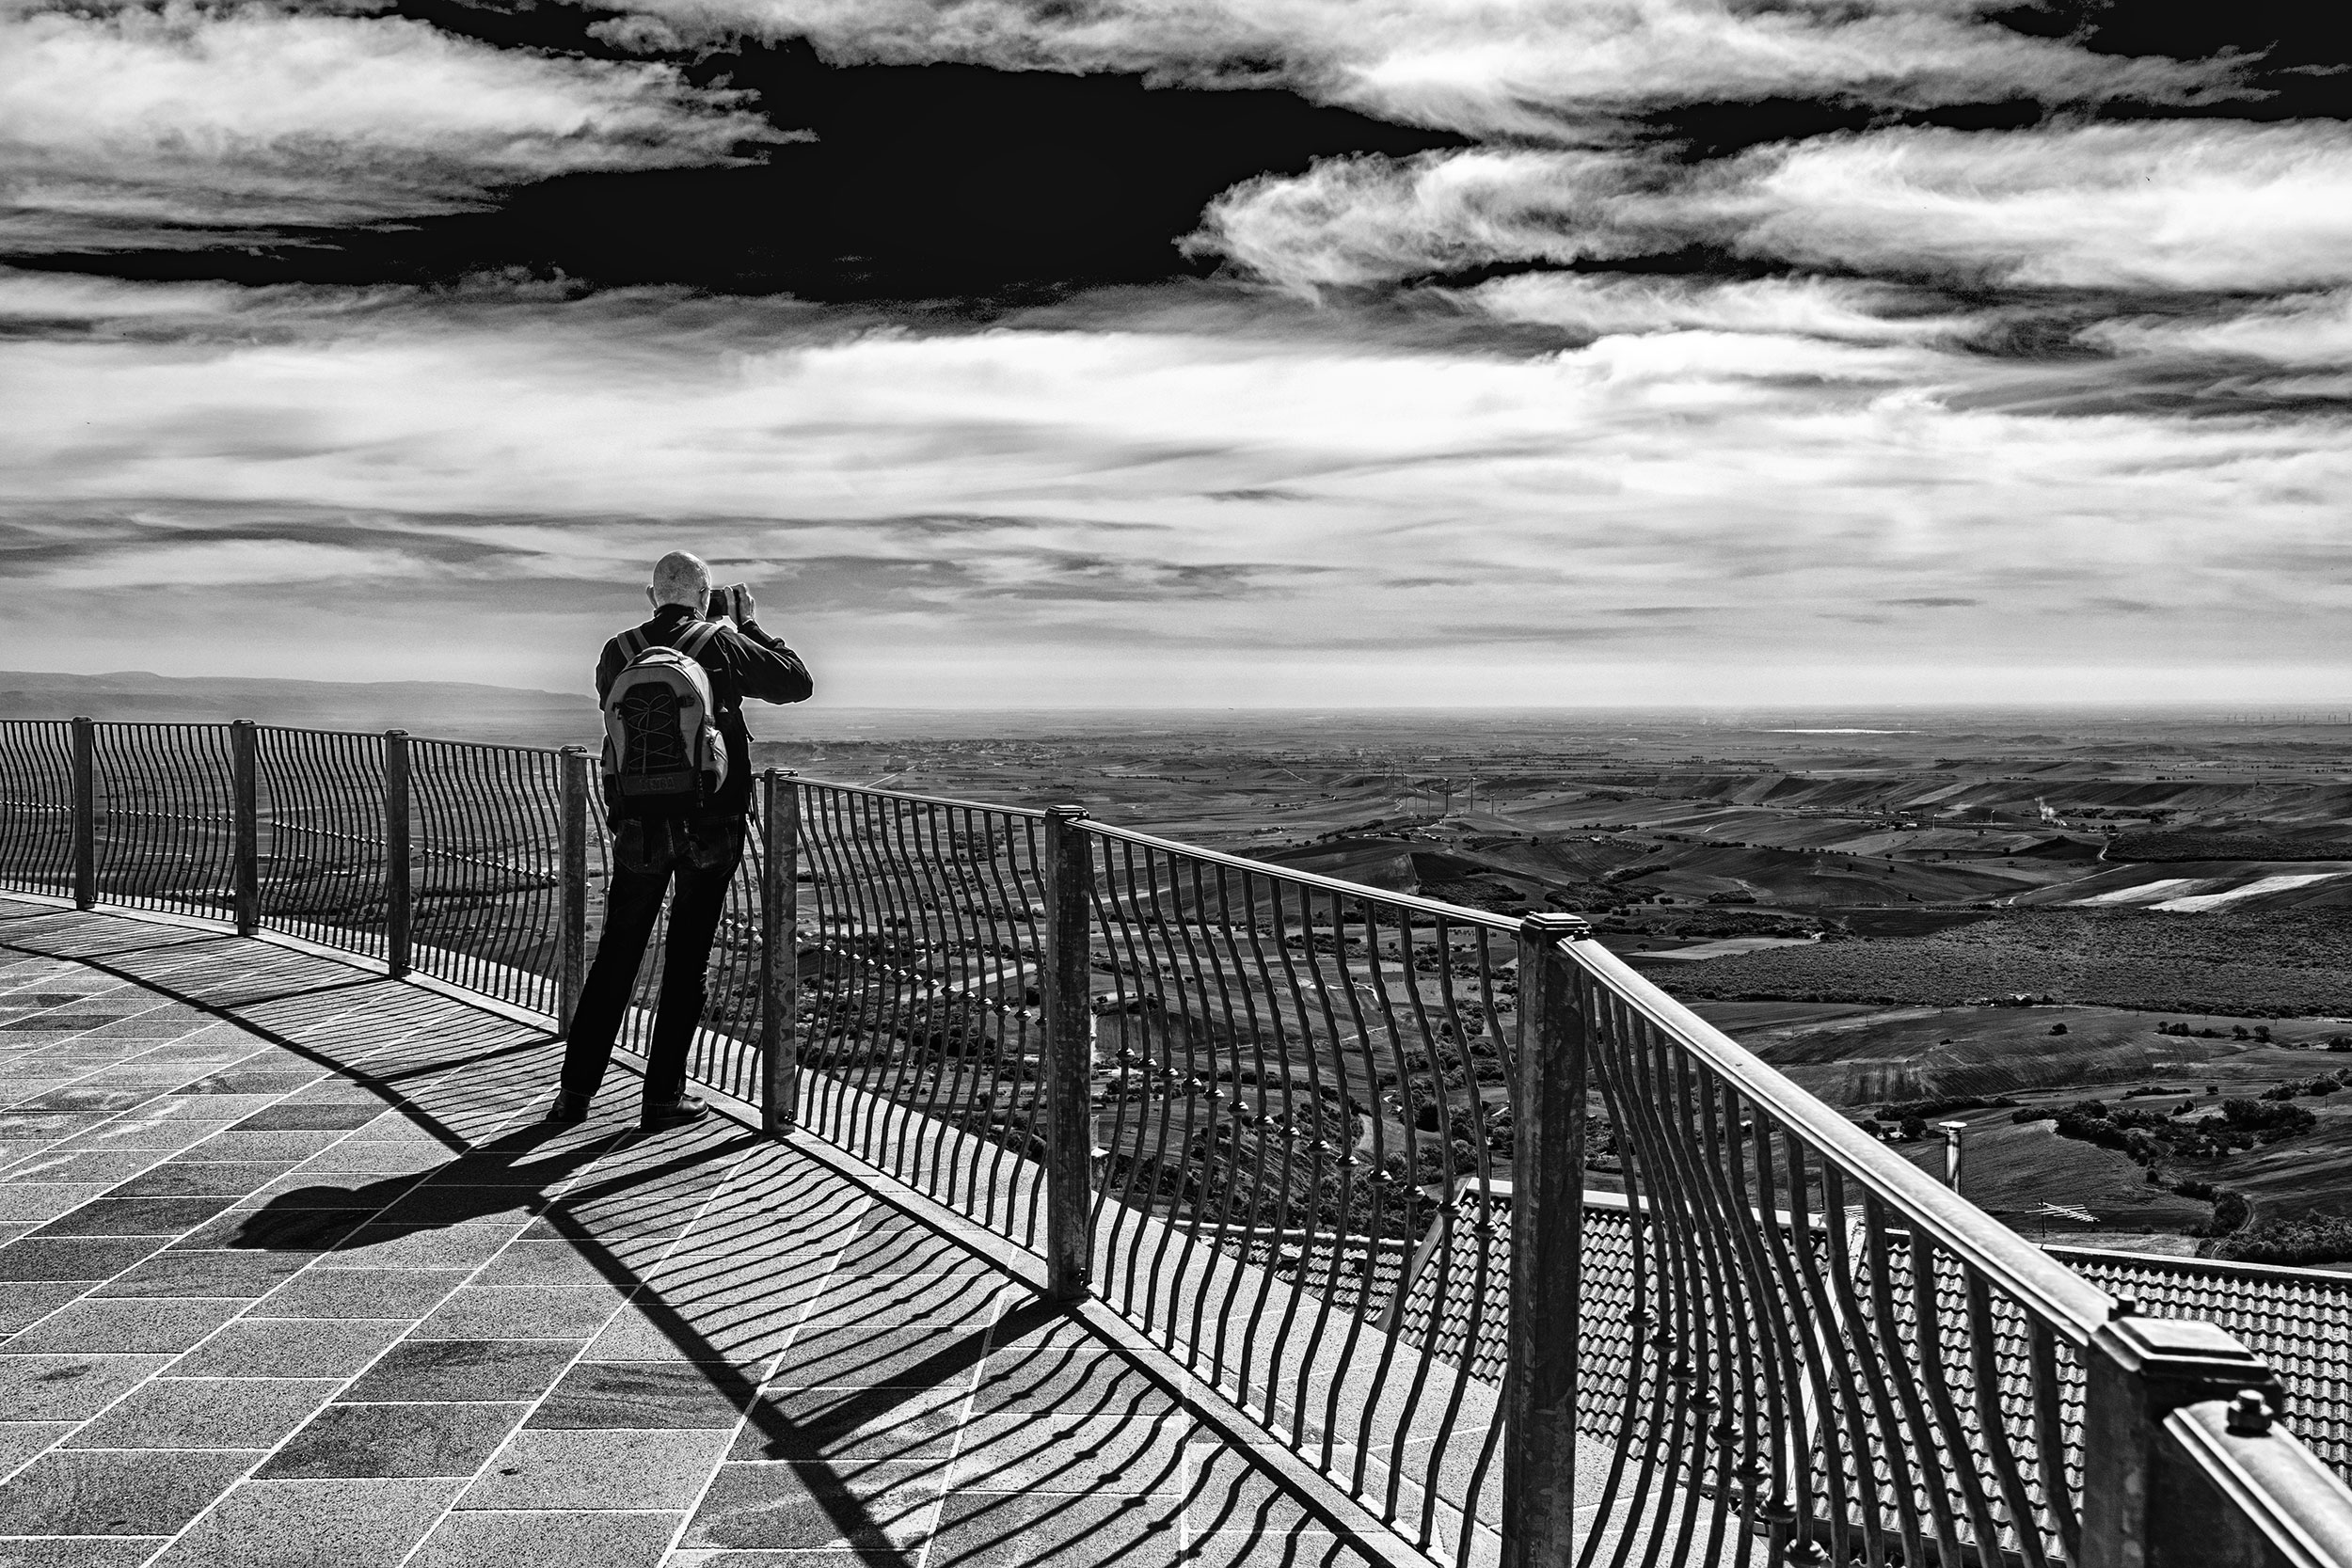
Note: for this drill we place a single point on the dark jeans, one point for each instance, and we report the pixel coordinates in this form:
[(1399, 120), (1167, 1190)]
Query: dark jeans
[(631, 903)]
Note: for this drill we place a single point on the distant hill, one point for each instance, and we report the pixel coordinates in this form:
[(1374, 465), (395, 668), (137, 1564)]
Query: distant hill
[(447, 709)]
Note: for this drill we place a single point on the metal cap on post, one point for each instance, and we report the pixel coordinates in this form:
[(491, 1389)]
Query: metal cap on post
[(1068, 1045), (84, 815), (571, 968), (244, 893), (1546, 1246), (2138, 1372), (399, 915), (779, 950)]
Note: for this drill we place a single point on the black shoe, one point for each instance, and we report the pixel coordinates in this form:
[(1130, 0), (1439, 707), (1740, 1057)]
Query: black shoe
[(570, 1108), (674, 1113)]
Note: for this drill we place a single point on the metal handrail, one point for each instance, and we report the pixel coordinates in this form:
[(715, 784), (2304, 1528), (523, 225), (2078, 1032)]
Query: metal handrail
[(1457, 913), (1032, 814)]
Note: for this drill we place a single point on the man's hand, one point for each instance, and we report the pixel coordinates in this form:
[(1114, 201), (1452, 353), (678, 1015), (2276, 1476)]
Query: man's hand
[(743, 607)]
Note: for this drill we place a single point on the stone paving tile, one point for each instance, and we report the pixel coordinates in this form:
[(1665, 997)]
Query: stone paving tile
[(265, 1079), (273, 1228), (1249, 1549), (608, 1539), (1115, 1456), (141, 1324), (572, 1312), (997, 1529), (465, 1370), (135, 1216), (822, 1424), (646, 1468), (340, 1089), (420, 1158), (849, 1301), (226, 1109), (327, 1116), (645, 1394), (75, 1256), (303, 1189), (433, 1201), (1057, 1367), (208, 1412), (114, 1493), (159, 1134), (20, 1440), (189, 1179), (908, 1250), (83, 1096), (54, 1387), (47, 1125), (103, 1165), (923, 1353), (42, 1201), (654, 1327), (205, 1274), (276, 1347), (313, 1524), (1226, 1491), (394, 1440), (347, 1293), (853, 1507), (227, 1144), (422, 1247), (552, 1263)]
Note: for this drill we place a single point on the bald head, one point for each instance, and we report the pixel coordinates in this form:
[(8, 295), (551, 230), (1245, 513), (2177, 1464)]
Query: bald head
[(679, 578)]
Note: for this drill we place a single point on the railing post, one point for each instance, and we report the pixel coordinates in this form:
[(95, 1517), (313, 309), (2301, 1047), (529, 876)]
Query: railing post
[(399, 915), (779, 950), (85, 813), (2137, 1372), (1069, 1043), (244, 890), (571, 963), (1546, 1246)]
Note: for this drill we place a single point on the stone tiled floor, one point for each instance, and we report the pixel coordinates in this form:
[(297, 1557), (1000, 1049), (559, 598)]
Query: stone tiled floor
[(289, 1274)]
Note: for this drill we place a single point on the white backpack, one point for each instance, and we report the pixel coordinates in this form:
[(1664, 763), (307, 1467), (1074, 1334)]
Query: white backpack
[(663, 753)]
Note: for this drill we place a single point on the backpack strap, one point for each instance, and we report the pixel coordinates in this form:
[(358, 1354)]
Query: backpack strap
[(632, 643), (692, 644)]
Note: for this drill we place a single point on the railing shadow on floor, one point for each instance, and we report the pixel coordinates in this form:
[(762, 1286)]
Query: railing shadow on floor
[(487, 1179)]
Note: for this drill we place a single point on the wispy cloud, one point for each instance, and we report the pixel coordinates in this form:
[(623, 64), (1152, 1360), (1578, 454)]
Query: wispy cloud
[(182, 125), (2299, 329), (1682, 498), (2190, 204), (1545, 69)]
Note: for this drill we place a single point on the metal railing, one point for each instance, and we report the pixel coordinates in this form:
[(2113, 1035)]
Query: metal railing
[(1337, 1150)]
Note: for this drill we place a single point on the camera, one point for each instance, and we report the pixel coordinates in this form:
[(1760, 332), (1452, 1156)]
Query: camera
[(728, 601)]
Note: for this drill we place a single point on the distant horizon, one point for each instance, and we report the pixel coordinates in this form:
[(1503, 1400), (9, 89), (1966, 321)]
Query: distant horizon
[(2312, 711)]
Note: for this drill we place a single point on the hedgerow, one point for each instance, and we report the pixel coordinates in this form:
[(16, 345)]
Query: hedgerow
[(2282, 964)]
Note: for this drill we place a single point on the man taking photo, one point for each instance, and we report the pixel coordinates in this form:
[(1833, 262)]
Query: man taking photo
[(678, 781)]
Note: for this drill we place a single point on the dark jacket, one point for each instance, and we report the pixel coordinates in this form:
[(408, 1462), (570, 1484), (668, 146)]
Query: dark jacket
[(745, 662)]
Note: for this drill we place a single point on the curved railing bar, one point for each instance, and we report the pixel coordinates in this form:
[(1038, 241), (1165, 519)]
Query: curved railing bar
[(1413, 901), (2044, 1286)]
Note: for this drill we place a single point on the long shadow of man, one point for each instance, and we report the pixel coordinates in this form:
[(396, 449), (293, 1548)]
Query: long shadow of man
[(482, 1183)]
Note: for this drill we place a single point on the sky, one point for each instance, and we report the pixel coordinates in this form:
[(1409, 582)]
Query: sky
[(1190, 352)]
